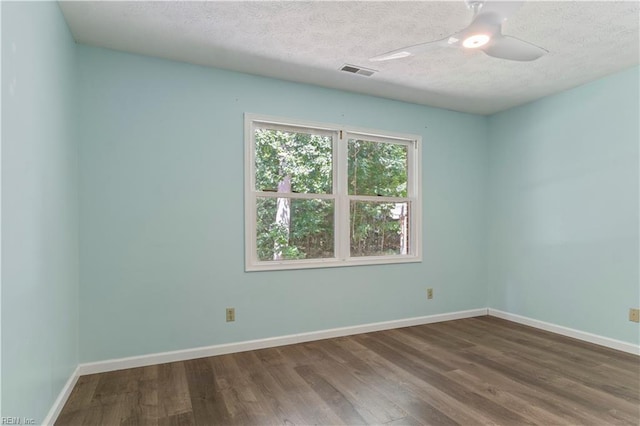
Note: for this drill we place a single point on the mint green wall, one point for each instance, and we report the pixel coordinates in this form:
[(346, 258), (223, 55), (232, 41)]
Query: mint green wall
[(564, 208), (161, 209), (162, 227), (39, 208)]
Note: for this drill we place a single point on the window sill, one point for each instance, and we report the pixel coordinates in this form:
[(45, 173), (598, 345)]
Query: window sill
[(329, 263)]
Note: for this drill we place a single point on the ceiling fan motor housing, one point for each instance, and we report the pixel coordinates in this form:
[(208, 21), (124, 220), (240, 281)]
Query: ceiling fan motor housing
[(474, 5)]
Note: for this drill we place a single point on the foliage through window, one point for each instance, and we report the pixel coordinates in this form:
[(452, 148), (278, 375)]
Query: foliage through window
[(319, 195)]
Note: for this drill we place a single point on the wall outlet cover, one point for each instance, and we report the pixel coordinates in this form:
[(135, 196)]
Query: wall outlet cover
[(231, 314)]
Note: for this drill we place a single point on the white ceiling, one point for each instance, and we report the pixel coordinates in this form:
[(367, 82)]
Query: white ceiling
[(309, 41)]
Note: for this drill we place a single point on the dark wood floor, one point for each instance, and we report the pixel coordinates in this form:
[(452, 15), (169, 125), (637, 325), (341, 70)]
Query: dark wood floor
[(473, 371)]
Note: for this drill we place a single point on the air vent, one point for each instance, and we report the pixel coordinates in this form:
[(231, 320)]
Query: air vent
[(353, 69)]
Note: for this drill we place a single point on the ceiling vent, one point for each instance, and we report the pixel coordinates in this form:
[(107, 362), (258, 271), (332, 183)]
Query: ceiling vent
[(353, 69)]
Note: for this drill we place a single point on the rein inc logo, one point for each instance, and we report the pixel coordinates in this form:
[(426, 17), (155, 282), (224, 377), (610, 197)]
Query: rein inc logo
[(17, 421)]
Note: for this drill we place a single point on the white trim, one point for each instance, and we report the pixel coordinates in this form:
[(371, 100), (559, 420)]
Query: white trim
[(269, 125), (62, 398), (294, 195), (370, 136), (380, 199), (332, 262), (249, 198), (341, 218), (227, 348), (569, 332), (298, 123)]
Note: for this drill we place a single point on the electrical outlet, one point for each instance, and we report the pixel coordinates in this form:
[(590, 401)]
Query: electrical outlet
[(634, 315), (429, 293), (231, 314)]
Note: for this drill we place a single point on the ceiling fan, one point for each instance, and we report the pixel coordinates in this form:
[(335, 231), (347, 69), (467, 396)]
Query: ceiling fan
[(484, 33)]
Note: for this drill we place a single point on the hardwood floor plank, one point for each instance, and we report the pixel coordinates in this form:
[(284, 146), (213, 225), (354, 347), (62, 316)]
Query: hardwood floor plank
[(334, 398), (420, 399), (312, 407), (399, 387), (565, 344), (445, 340), (593, 378), (368, 401), (589, 370), (540, 379), (554, 406), (535, 397), (244, 399), (473, 371), (182, 419), (497, 412), (99, 413), (419, 353), (75, 409), (406, 421), (113, 385), (588, 373), (206, 400), (269, 390), (271, 357), (141, 406), (504, 397), (173, 392)]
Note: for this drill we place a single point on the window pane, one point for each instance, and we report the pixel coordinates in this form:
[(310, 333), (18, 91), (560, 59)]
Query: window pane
[(377, 168), (290, 228), (379, 229), (293, 162)]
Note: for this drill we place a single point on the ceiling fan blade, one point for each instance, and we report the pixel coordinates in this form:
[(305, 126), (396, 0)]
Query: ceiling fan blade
[(415, 49), (506, 47)]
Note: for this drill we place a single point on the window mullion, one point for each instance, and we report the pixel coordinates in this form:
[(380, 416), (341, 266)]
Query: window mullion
[(411, 191), (379, 199), (342, 201), (411, 158), (293, 195), (413, 187)]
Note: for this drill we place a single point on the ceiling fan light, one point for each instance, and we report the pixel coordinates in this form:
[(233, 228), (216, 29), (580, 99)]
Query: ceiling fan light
[(475, 41)]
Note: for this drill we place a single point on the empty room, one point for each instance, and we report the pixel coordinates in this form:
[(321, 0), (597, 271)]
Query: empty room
[(320, 212)]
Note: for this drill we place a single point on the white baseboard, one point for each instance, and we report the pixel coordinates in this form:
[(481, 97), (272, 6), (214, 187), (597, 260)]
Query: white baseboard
[(227, 348), (62, 398), (569, 332)]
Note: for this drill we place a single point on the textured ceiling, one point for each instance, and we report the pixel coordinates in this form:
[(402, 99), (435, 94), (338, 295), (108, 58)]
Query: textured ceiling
[(309, 41)]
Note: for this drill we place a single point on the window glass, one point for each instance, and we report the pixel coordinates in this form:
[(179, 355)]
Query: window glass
[(294, 228), (377, 169), (288, 161), (379, 229)]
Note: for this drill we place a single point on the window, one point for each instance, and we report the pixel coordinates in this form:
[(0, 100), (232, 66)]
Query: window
[(320, 195)]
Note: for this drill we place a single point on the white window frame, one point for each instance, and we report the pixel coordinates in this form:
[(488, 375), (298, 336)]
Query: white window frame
[(339, 194)]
